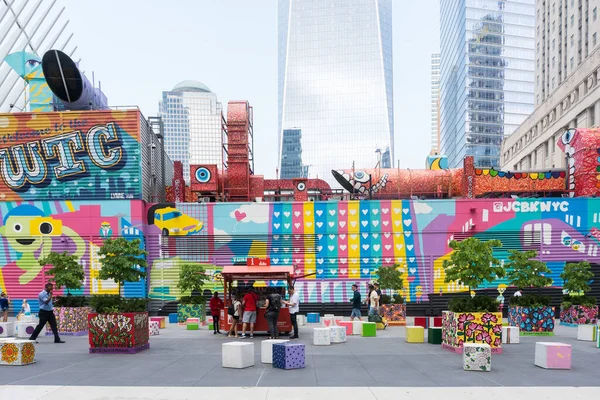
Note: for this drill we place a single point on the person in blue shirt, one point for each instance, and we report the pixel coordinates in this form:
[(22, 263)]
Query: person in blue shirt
[(46, 314), (4, 306)]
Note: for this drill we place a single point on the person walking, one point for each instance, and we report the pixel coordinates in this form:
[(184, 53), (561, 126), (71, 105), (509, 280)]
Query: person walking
[(294, 305), (373, 300), (46, 314), (249, 316), (216, 305), (4, 303), (378, 290), (273, 304), (356, 303), (235, 318)]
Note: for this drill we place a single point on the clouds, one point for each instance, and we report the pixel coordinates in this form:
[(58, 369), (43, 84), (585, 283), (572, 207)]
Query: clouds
[(221, 237), (257, 213), (421, 208)]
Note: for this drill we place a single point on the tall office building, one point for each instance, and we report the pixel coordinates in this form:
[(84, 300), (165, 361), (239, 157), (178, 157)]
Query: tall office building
[(28, 29), (486, 75), (435, 102), (291, 155), (335, 82), (567, 93), (193, 125)]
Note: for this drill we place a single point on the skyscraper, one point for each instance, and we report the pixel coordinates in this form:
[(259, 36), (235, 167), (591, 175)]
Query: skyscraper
[(486, 75), (435, 110), (193, 125), (291, 155), (335, 82)]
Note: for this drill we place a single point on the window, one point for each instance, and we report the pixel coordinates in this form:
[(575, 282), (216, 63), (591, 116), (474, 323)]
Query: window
[(572, 20), (553, 26), (553, 61), (553, 44), (553, 83), (572, 40), (572, 63), (594, 39), (595, 13)]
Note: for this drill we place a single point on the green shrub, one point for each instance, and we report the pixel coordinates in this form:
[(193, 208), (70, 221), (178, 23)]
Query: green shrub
[(475, 304), (385, 299), (70, 301), (106, 304), (586, 301), (398, 299), (530, 300), (192, 300)]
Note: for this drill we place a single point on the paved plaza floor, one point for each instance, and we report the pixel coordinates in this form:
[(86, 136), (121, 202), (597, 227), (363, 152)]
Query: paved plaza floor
[(181, 358)]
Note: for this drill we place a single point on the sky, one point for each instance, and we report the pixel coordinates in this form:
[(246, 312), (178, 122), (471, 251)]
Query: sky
[(137, 49)]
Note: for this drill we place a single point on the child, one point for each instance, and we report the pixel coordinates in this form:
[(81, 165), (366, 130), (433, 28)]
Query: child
[(25, 308), (4, 306)]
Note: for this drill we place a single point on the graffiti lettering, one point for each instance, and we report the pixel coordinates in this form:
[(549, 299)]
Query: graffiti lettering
[(24, 163), (534, 206)]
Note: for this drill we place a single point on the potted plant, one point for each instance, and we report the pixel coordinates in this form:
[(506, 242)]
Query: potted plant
[(392, 307), (119, 325), (191, 279), (531, 312), (474, 319), (577, 308), (70, 311)]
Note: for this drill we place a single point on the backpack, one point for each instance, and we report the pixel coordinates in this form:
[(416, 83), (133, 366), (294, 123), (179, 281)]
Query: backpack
[(231, 310), (274, 302), (375, 318)]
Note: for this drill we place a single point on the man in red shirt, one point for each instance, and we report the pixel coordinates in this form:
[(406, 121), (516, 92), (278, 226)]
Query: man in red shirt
[(216, 305), (249, 317)]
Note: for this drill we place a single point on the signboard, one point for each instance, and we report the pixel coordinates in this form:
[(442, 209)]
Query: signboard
[(259, 262), (70, 155)]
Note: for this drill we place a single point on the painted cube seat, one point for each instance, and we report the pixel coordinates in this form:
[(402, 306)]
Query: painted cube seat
[(477, 357), (237, 354), (289, 355), (553, 355)]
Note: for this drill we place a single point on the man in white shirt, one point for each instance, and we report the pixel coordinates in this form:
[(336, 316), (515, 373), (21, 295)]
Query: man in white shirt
[(294, 305)]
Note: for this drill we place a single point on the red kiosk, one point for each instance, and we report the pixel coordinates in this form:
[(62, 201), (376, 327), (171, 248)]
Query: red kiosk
[(262, 272)]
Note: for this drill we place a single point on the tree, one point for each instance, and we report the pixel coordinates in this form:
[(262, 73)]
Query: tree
[(525, 271), (472, 262), (390, 278), (191, 278), (576, 277), (66, 271), (122, 261)]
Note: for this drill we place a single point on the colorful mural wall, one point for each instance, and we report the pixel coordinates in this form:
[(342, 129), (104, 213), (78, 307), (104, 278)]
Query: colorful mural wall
[(29, 67), (339, 243), (29, 230), (70, 155)]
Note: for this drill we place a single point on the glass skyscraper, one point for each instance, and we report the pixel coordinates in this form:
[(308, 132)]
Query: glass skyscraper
[(486, 75), (335, 82), (192, 119)]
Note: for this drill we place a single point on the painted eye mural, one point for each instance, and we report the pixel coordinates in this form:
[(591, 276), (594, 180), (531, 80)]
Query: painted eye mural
[(203, 175), (567, 136), (301, 186), (578, 246)]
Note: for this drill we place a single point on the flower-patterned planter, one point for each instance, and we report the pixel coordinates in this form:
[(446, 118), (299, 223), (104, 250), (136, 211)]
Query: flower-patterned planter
[(579, 315), (71, 321), (395, 314), (17, 352), (118, 333), (532, 321), (460, 328), (185, 311)]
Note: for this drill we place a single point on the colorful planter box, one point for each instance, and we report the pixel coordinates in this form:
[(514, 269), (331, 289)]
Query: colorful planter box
[(288, 355), (532, 321), (185, 311), (192, 326), (477, 357), (553, 355), (173, 318), (17, 352), (476, 328), (434, 335), (579, 315), (118, 333), (395, 314), (70, 321), (369, 329)]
